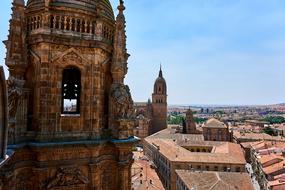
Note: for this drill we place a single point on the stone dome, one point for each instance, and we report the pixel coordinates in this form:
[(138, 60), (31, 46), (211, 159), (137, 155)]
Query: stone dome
[(214, 123), (89, 6)]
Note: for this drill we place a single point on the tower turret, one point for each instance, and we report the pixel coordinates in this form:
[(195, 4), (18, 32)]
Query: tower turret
[(159, 103), (190, 123), (69, 110)]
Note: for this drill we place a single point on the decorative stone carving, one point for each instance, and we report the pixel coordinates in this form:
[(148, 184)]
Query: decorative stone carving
[(24, 180), (122, 101), (120, 56), (66, 177), (15, 87), (125, 128)]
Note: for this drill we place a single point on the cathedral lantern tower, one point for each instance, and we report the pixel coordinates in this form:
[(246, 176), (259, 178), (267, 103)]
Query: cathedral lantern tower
[(159, 104), (70, 113)]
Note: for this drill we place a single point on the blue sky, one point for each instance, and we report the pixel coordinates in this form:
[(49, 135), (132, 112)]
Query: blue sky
[(212, 51)]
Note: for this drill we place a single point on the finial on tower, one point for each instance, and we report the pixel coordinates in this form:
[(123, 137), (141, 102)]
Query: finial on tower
[(19, 2), (160, 71), (121, 7)]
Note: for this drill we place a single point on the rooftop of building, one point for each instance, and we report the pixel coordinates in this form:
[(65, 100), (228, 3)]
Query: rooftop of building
[(172, 133), (215, 180), (252, 136), (89, 6), (214, 123), (140, 104), (225, 152), (274, 167), (266, 144)]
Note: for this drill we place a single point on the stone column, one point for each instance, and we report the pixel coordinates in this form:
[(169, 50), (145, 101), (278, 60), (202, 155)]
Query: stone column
[(125, 176), (3, 115), (125, 164)]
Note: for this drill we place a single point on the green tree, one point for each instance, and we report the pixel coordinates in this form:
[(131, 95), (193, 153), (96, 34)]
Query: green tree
[(275, 119)]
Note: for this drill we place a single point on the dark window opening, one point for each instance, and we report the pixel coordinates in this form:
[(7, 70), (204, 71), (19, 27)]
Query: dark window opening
[(237, 169), (71, 86)]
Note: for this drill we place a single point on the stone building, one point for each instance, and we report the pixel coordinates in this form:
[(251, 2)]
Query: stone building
[(215, 130), (71, 116), (159, 104), (155, 111), (189, 125), (142, 125), (171, 151)]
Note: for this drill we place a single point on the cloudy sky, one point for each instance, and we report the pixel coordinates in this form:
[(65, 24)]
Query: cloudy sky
[(212, 51)]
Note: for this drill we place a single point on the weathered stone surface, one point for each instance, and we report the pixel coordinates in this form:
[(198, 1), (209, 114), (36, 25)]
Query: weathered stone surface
[(3, 115), (52, 147)]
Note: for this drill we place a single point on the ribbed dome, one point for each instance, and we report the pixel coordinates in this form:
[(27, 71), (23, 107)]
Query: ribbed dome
[(214, 123), (160, 80), (85, 5)]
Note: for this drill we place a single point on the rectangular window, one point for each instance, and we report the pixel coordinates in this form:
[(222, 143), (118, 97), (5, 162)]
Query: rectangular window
[(71, 88)]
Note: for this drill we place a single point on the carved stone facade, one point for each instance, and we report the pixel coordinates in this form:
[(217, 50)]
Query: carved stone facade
[(71, 116)]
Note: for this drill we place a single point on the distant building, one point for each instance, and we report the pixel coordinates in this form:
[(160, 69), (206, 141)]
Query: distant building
[(268, 161), (171, 151), (189, 127), (257, 123), (152, 115), (215, 130), (241, 137)]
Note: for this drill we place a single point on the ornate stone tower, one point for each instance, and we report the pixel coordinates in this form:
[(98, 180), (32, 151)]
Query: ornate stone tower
[(190, 123), (159, 104), (70, 113)]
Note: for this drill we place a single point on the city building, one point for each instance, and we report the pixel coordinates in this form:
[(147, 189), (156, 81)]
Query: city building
[(171, 151), (152, 115), (71, 116), (142, 126), (189, 125), (268, 161), (188, 180), (241, 137), (215, 130)]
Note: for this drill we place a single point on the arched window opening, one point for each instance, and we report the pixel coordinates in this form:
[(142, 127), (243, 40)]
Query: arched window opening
[(78, 25), (51, 21), (71, 87)]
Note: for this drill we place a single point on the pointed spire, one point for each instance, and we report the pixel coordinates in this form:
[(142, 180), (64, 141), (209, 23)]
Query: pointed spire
[(160, 72), (120, 55)]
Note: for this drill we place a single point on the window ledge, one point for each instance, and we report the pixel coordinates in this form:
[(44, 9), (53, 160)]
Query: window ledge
[(70, 115)]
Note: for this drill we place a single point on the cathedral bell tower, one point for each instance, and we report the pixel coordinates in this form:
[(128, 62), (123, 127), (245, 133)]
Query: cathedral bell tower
[(159, 104), (71, 119)]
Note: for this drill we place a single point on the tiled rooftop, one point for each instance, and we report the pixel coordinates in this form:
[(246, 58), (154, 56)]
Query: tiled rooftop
[(222, 153), (215, 180)]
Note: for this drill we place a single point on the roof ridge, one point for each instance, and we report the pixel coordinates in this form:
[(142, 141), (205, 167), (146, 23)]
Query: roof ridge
[(219, 181)]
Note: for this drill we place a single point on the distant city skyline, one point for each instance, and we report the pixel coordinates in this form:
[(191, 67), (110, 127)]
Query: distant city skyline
[(212, 51)]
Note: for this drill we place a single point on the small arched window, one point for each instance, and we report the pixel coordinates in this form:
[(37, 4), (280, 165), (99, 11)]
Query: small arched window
[(71, 88)]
